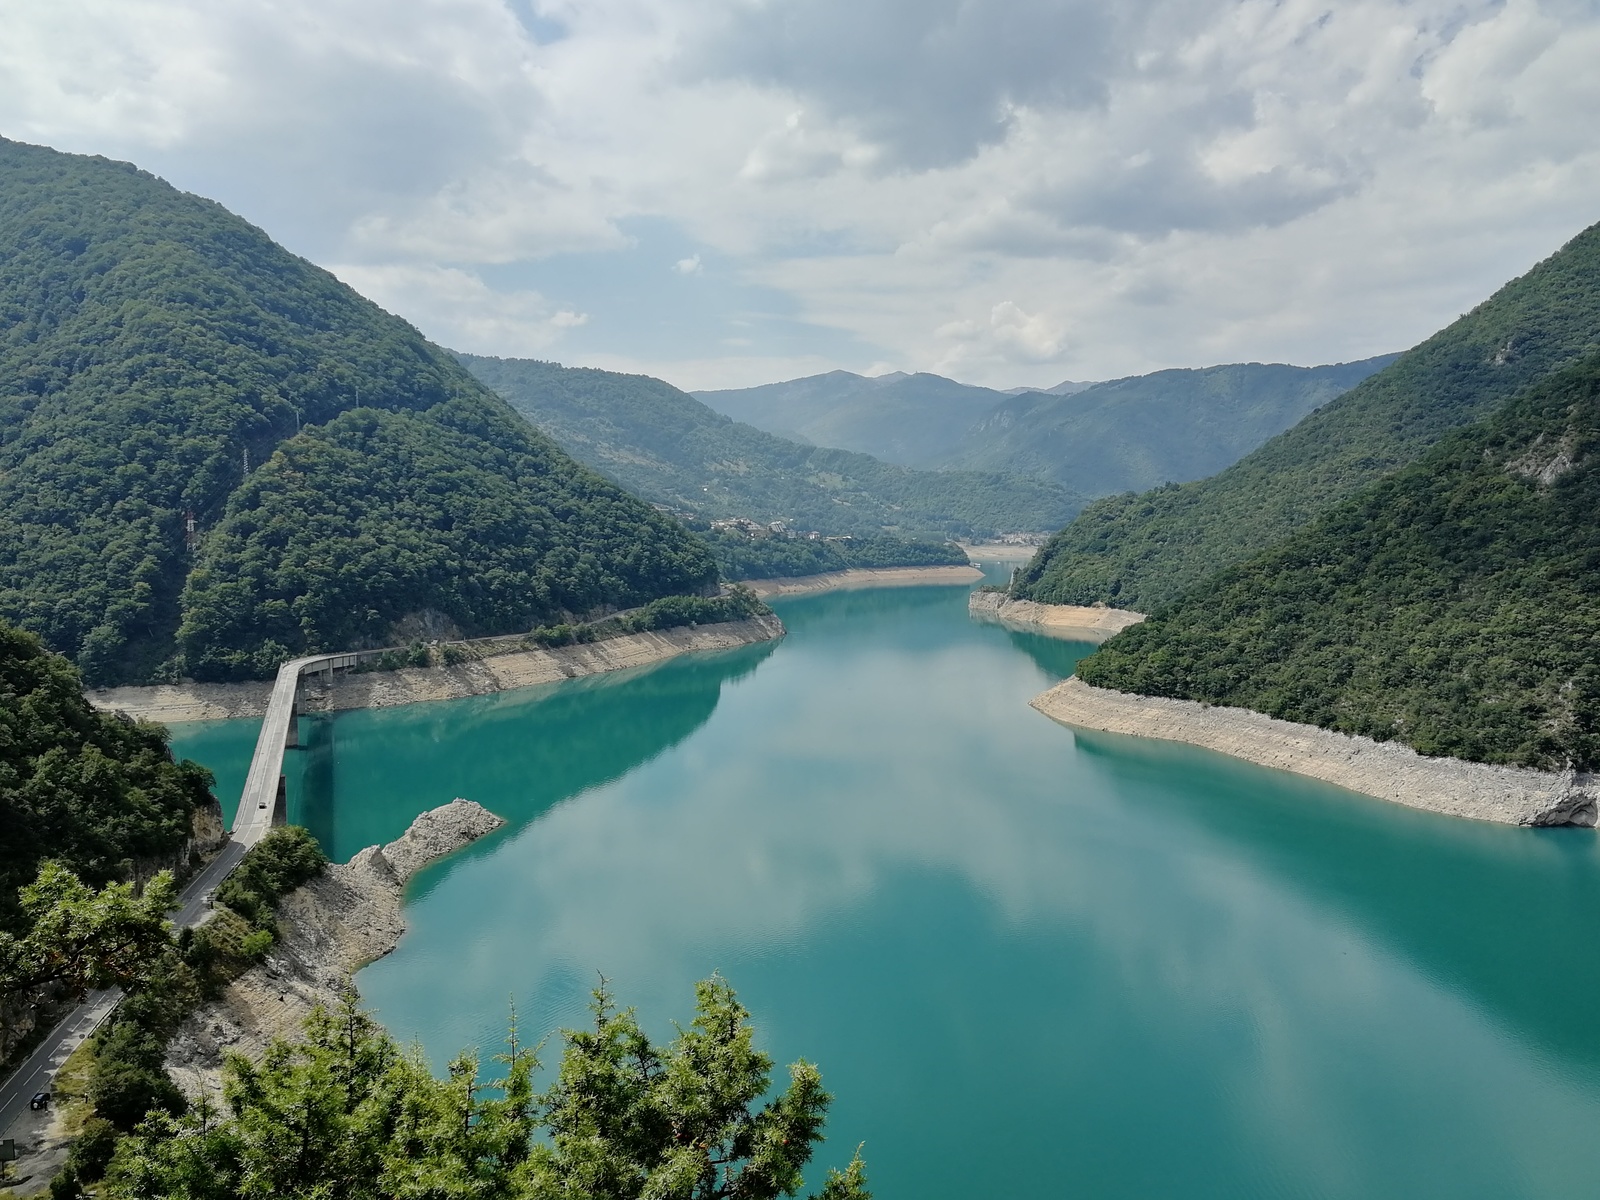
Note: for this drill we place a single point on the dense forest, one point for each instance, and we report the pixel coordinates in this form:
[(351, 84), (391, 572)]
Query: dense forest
[(96, 792), (1143, 550), (156, 352), (1137, 433), (668, 447), (1454, 606), (740, 556)]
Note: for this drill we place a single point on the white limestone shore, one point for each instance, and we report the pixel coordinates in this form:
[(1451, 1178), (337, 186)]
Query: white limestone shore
[(1073, 622), (862, 577), (1387, 770), (409, 685)]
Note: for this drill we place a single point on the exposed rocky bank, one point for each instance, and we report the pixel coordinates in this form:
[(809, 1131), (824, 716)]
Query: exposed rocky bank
[(862, 577), (1387, 770), (1081, 623), (387, 689), (332, 927)]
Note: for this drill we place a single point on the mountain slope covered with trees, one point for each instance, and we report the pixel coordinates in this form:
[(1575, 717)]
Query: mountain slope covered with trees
[(1137, 433), (156, 352), (910, 420), (672, 449), (1454, 606), (1142, 551), (91, 790)]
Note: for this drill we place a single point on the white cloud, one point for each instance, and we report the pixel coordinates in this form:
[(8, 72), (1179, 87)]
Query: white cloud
[(689, 266), (1153, 184)]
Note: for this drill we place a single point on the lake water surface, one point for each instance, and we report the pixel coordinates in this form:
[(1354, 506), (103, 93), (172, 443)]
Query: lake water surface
[(1030, 962)]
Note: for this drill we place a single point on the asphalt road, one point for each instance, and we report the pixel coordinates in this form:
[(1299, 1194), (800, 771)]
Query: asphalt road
[(36, 1074)]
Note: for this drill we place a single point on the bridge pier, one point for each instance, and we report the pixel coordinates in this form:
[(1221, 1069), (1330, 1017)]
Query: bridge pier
[(280, 803), (291, 738)]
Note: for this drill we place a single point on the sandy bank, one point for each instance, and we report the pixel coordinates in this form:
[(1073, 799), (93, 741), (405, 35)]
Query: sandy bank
[(1509, 795), (331, 928), (998, 551), (386, 689), (862, 577), (1076, 622)]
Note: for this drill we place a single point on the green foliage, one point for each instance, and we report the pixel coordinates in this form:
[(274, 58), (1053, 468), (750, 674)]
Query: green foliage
[(285, 859), (1142, 551), (89, 789), (92, 1152), (1454, 606), (346, 1114), (740, 556), (1147, 430), (151, 342), (463, 513), (670, 448), (79, 939), (130, 1079)]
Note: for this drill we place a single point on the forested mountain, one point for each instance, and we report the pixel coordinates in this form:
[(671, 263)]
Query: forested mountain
[(672, 449), (912, 420), (160, 357), (1136, 433), (88, 789), (1143, 551), (1454, 606)]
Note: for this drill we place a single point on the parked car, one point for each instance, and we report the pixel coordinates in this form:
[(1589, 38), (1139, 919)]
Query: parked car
[(39, 1100)]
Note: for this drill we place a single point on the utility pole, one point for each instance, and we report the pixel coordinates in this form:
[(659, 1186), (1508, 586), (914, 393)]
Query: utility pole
[(247, 460)]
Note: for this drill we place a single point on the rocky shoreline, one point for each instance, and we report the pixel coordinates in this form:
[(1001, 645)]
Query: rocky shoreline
[(1079, 623), (409, 685), (862, 577), (1386, 770), (347, 917)]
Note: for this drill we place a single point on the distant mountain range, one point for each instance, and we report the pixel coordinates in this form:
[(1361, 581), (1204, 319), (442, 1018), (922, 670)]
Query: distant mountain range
[(1093, 438), (910, 420), (1135, 433), (668, 447)]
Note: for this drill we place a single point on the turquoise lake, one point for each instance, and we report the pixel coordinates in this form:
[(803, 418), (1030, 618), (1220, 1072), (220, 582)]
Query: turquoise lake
[(1030, 962)]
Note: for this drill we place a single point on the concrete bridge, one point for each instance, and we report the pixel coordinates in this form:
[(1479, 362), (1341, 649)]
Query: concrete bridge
[(262, 804)]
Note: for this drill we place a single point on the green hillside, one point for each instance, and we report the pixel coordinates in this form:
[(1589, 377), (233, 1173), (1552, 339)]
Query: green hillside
[(90, 790), (1142, 551), (1137, 433), (909, 420), (152, 344), (670, 448), (1454, 606)]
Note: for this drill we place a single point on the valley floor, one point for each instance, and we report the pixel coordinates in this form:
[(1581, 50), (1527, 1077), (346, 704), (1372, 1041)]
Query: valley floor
[(1387, 770)]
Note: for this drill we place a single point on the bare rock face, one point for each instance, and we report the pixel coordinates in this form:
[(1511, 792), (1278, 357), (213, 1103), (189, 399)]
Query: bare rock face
[(332, 927)]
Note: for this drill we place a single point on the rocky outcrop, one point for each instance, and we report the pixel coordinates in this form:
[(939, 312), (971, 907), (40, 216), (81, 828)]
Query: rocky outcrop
[(409, 685), (330, 928), (1387, 770), (1080, 623)]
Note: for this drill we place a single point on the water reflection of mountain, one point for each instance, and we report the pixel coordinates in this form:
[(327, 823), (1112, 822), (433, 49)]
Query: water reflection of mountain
[(363, 776), (1482, 909)]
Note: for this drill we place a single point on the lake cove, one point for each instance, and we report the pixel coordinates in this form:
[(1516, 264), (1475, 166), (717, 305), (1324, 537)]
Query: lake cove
[(1031, 962)]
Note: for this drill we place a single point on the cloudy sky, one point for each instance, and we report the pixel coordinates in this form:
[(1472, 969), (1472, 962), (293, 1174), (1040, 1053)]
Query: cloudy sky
[(728, 192)]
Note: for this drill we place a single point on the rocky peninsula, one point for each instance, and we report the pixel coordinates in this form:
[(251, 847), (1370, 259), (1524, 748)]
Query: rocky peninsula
[(1079, 623), (1387, 770), (330, 928), (191, 701)]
